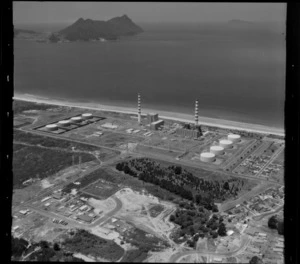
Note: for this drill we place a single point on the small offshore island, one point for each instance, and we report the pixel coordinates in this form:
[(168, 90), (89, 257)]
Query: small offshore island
[(86, 30), (99, 185)]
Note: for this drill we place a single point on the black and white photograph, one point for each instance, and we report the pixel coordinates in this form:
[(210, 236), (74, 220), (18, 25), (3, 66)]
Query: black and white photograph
[(149, 132)]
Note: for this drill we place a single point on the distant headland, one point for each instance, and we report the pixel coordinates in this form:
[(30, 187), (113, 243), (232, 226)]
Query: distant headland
[(86, 30)]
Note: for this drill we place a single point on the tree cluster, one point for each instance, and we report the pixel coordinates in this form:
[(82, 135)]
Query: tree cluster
[(275, 223), (194, 222), (179, 181)]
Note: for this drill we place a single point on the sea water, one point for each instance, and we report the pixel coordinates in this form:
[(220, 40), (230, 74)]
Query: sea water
[(236, 73)]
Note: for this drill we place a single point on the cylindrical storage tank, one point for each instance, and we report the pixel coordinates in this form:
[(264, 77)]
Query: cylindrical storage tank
[(234, 137), (225, 143), (217, 150), (207, 157), (64, 123), (87, 116), (51, 127), (76, 119)]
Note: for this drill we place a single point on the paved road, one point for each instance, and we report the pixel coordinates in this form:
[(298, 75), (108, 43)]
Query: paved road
[(245, 241), (75, 223), (256, 190), (270, 161), (109, 215), (261, 216), (157, 156), (186, 163)]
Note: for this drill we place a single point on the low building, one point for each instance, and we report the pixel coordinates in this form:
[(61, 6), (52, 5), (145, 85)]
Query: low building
[(84, 207), (57, 195), (45, 199), (155, 125), (24, 212), (85, 218), (251, 231)]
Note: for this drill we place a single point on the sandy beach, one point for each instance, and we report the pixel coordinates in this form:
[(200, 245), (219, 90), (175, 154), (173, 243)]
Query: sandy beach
[(221, 123)]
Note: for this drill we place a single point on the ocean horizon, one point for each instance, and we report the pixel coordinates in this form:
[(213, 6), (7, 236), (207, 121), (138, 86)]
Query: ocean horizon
[(236, 74)]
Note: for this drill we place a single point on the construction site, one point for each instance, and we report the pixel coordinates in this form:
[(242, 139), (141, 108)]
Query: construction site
[(80, 196)]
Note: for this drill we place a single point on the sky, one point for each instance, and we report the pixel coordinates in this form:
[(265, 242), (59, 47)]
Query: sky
[(146, 12)]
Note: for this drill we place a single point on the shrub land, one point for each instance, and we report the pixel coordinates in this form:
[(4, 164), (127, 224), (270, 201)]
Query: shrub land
[(88, 244), (144, 243), (42, 251), (20, 106), (38, 163), (44, 141)]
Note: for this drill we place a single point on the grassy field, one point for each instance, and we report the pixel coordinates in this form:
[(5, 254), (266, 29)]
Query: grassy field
[(85, 181), (100, 189), (36, 162)]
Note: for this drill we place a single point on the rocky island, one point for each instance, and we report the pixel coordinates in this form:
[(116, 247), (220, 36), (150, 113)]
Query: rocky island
[(88, 29)]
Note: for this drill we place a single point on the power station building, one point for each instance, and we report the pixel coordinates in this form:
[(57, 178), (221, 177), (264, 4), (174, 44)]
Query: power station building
[(156, 124), (152, 117), (191, 133), (189, 130)]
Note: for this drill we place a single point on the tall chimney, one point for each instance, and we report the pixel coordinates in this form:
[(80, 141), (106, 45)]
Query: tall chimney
[(139, 108), (196, 113)]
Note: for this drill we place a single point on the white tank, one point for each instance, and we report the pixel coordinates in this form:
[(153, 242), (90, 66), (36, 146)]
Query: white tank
[(64, 123), (207, 157), (51, 127), (217, 150), (76, 119), (225, 143), (234, 137), (87, 116)]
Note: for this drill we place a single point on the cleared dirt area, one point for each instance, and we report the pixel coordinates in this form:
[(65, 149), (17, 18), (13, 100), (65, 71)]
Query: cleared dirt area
[(102, 206), (136, 211), (160, 257)]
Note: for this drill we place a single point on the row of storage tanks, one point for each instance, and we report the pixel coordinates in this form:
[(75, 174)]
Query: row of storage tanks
[(66, 123), (219, 150)]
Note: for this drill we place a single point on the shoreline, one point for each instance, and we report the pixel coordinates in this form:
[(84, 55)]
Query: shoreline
[(206, 121)]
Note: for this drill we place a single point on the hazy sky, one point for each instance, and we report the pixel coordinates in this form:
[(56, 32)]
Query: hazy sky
[(68, 12)]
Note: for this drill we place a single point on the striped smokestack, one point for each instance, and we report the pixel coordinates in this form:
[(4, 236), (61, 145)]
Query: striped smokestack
[(196, 112), (139, 108)]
